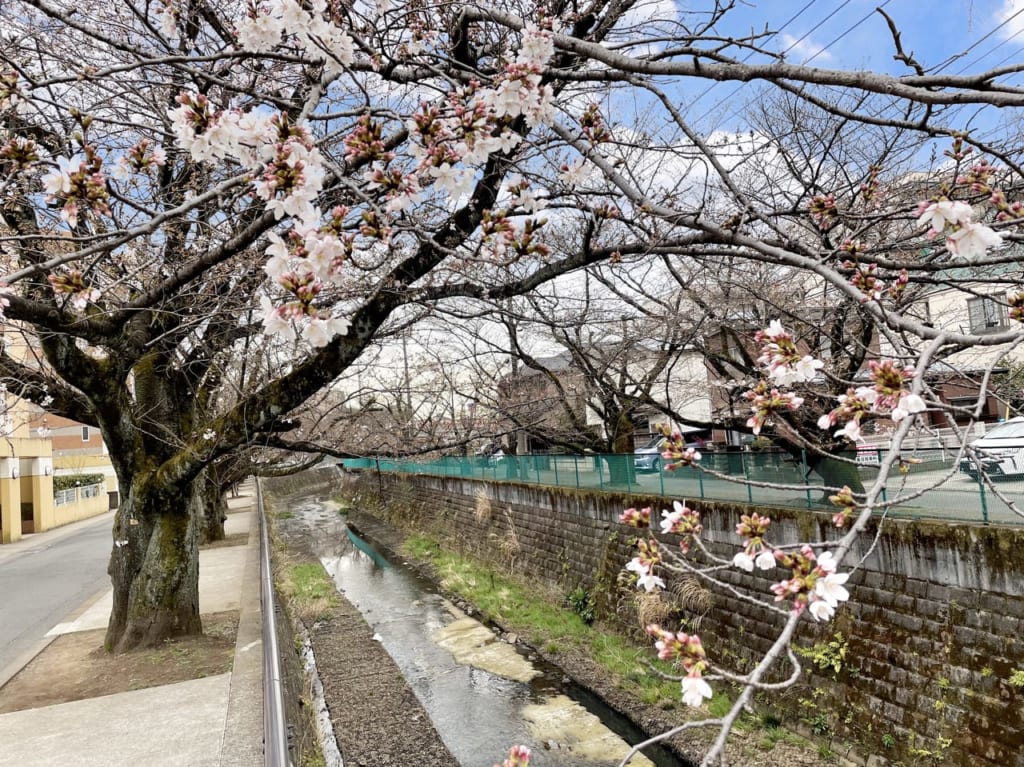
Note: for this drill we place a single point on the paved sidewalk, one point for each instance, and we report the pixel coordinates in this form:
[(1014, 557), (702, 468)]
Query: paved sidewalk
[(211, 722)]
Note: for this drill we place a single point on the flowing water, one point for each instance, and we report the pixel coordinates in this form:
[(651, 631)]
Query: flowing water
[(481, 694)]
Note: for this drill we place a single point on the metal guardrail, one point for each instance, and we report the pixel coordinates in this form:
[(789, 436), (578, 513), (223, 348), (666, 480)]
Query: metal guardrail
[(275, 724), (934, 487)]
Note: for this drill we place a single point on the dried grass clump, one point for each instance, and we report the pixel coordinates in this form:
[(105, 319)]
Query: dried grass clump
[(483, 512)]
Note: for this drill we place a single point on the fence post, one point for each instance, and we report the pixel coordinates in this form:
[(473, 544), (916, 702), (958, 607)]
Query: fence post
[(700, 482), (746, 475), (600, 471), (554, 462), (804, 471), (576, 465), (984, 502)]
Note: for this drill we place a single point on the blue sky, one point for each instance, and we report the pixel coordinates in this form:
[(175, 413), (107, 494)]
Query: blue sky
[(850, 34), (932, 30)]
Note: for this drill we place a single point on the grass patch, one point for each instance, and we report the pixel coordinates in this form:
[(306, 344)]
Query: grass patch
[(284, 515), (310, 592), (547, 622)]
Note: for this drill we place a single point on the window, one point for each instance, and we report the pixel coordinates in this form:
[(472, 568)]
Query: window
[(85, 434), (987, 314)]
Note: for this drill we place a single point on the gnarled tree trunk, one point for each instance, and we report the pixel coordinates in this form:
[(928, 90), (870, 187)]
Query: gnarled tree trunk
[(154, 565)]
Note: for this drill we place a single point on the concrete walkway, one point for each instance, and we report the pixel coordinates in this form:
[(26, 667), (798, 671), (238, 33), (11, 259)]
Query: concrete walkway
[(211, 722)]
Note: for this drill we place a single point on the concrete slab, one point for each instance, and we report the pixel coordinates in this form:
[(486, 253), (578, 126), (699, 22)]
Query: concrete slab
[(179, 725), (242, 745), (220, 589), (239, 522)]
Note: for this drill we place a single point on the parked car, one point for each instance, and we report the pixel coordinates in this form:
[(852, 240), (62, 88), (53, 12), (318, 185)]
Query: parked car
[(1000, 451), (648, 457)]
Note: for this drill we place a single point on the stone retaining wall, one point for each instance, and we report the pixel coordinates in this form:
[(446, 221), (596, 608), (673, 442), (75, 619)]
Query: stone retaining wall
[(917, 668)]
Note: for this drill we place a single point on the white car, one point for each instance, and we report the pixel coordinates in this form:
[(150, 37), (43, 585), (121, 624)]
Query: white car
[(1000, 451)]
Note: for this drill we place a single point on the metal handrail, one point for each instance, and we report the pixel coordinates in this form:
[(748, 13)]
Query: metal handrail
[(275, 725)]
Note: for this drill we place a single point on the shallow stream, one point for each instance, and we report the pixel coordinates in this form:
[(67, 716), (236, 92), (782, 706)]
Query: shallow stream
[(482, 695)]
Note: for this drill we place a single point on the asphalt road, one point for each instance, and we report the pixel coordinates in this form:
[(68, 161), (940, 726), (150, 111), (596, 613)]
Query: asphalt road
[(45, 578)]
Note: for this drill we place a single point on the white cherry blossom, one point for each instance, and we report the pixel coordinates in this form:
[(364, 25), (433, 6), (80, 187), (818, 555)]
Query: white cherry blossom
[(831, 589), (972, 241), (938, 214), (695, 690), (743, 561)]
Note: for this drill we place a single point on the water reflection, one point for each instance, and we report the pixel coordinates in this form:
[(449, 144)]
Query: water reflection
[(481, 695)]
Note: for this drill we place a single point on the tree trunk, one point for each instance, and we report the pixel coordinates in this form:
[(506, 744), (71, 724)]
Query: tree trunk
[(622, 466), (835, 473), (214, 514), (154, 566)]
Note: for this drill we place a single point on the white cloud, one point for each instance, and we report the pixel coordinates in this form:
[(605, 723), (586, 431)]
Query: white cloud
[(1012, 16), (805, 48)]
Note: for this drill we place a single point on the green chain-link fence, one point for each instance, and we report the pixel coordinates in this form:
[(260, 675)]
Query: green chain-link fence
[(934, 486)]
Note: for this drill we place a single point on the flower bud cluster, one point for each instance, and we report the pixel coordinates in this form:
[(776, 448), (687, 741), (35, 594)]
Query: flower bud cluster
[(682, 521), (73, 283), (688, 651), (20, 153), (888, 396), (813, 582), (78, 185), (676, 451), (644, 563), (847, 505), (636, 518), (765, 403), (779, 354), (755, 551)]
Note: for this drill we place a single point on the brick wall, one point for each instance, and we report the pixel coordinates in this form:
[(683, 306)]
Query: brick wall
[(915, 669)]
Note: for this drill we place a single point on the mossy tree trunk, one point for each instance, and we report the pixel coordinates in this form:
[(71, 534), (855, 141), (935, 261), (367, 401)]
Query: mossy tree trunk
[(214, 509), (154, 565)]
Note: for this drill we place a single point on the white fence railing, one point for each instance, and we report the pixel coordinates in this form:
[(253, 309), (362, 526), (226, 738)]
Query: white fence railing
[(72, 494)]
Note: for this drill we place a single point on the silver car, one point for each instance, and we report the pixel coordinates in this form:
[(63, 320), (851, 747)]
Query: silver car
[(1000, 451)]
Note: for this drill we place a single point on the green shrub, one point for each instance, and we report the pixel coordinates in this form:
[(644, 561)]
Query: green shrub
[(65, 481)]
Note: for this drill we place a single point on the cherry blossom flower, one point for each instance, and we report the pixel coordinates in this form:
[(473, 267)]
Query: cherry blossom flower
[(695, 690), (682, 521), (59, 181), (259, 33), (938, 215), (518, 756), (765, 560), (972, 241), (908, 405), (831, 589), (821, 610), (744, 561), (785, 363)]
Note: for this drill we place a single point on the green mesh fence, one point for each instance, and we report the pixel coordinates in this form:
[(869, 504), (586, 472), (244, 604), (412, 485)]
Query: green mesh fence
[(936, 485)]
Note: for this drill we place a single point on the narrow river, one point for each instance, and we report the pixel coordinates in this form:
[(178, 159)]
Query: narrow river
[(481, 694)]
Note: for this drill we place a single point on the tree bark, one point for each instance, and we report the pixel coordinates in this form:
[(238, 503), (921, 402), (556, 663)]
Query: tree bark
[(154, 566), (214, 512), (835, 473)]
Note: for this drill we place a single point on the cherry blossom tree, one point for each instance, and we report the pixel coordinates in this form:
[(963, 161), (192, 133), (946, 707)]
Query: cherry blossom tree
[(184, 178)]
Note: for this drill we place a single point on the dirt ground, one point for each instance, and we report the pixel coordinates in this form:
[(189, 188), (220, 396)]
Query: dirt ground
[(75, 666)]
